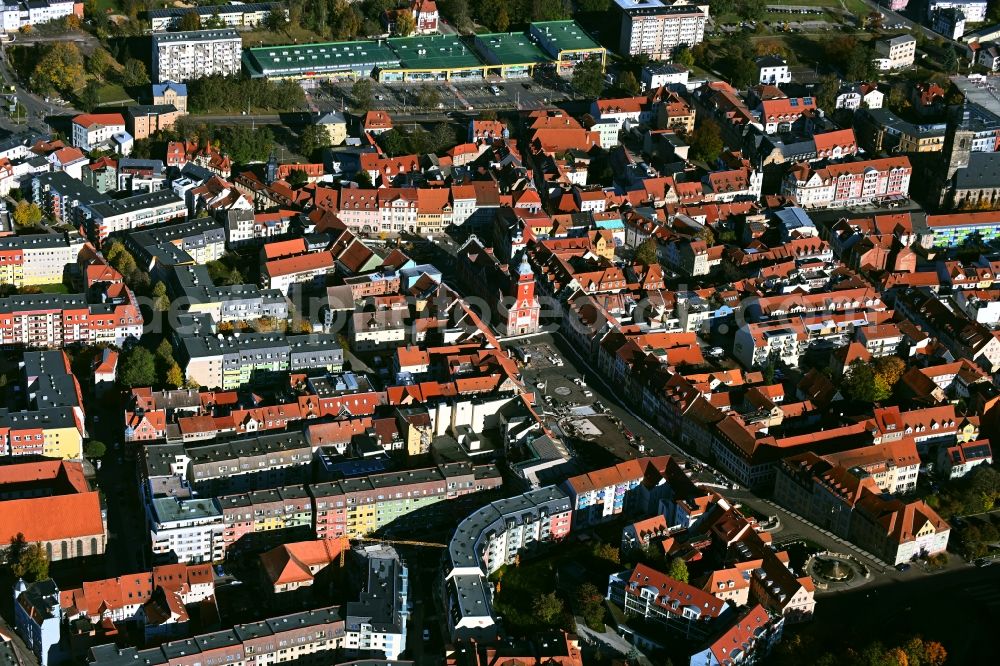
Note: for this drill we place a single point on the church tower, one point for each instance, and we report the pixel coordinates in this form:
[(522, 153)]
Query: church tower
[(522, 317), (958, 140)]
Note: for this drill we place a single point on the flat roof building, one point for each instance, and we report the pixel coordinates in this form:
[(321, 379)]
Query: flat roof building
[(566, 43), (333, 60), (510, 54), (432, 58)]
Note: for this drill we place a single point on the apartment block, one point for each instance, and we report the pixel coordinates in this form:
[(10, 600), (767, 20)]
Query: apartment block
[(310, 638), (601, 495), (140, 210), (38, 258), (656, 28), (241, 15), (58, 320), (377, 620), (97, 130), (849, 183), (228, 303), (896, 52), (189, 531), (232, 362), (182, 56), (23, 14)]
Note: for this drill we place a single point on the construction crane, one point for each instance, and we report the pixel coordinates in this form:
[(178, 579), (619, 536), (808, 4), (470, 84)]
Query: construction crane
[(345, 543)]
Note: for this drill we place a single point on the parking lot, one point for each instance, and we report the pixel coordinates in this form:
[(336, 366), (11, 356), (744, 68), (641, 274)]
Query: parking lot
[(538, 92)]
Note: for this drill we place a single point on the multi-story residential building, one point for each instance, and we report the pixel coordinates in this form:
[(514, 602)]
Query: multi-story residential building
[(18, 14), (896, 52), (182, 56), (377, 620), (850, 503), (490, 538), (956, 461), (230, 303), (97, 130), (849, 183), (266, 515), (772, 70), (140, 210), (53, 424), (656, 28), (601, 495), (233, 362), (750, 637), (57, 320), (242, 465), (974, 10), (185, 530), (196, 241), (38, 258), (74, 524), (240, 16), (680, 607), (310, 638), (38, 620), (284, 272), (146, 119), (62, 197)]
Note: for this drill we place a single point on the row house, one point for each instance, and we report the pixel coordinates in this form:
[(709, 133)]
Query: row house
[(57, 320), (849, 183), (679, 607), (277, 513), (602, 495)]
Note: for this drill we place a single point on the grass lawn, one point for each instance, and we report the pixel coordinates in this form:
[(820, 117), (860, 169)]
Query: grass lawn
[(112, 93), (107, 5), (293, 34), (54, 288)]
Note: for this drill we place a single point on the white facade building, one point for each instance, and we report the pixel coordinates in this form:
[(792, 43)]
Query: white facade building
[(188, 530), (183, 56), (656, 28)]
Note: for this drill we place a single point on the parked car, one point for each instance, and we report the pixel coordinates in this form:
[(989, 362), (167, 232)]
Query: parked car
[(902, 566)]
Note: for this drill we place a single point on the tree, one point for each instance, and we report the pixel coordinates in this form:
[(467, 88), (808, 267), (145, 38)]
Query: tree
[(276, 20), (362, 95), (949, 60), (859, 66), (297, 178), (60, 69), (678, 570), (165, 352), (752, 10), (27, 214), (685, 57), (890, 369), (706, 143), (100, 63), (313, 139), (590, 604), (405, 24), (134, 73), (443, 137), (175, 377), (628, 84), (829, 88), (547, 607), (607, 552), (26, 560), (647, 253), (214, 22), (161, 302), (90, 98), (95, 449), (190, 21), (137, 368), (864, 384), (588, 78)]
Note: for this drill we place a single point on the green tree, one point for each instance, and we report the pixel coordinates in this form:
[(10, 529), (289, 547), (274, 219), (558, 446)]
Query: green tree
[(593, 5), (363, 179), (393, 142), (190, 21), (829, 88), (161, 301), (312, 140), (588, 78), (405, 24), (362, 94), (706, 142), (175, 377), (546, 607), (134, 73), (678, 570), (137, 368), (276, 20), (90, 97), (165, 352), (628, 84), (297, 178), (27, 214), (100, 63), (26, 560), (862, 383), (752, 10), (95, 449), (590, 605), (442, 137), (949, 60), (890, 369), (607, 552), (60, 69), (685, 57), (859, 65), (647, 253)]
